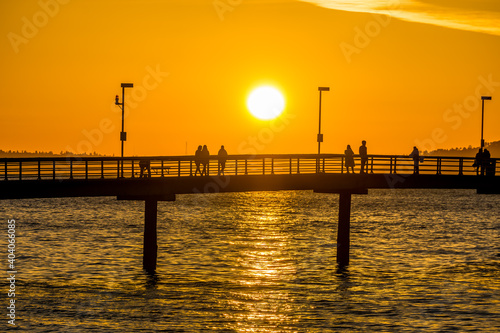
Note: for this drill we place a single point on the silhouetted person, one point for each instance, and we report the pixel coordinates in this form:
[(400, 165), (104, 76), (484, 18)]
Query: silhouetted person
[(349, 159), (478, 161), (222, 155), (145, 165), (416, 160), (486, 162), (205, 157), (197, 161), (363, 153)]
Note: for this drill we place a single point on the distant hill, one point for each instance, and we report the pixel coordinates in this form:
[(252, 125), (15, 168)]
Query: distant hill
[(493, 147)]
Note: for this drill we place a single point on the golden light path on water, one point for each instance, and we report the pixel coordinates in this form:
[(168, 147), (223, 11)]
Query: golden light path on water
[(478, 16), (263, 265)]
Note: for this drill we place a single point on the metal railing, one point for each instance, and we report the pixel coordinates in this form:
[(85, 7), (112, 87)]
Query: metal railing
[(62, 168)]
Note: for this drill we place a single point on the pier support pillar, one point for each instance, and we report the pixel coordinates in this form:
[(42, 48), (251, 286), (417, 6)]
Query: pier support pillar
[(150, 251), (150, 243), (344, 226)]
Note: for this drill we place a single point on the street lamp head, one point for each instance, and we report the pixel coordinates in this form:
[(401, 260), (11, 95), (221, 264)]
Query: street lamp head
[(324, 88), (486, 98), (117, 100), (127, 85)]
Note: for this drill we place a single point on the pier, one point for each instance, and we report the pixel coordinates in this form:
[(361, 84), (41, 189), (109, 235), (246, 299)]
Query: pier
[(161, 178)]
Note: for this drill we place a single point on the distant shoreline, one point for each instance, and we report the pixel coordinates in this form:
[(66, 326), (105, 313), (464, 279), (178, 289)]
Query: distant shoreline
[(493, 147), (25, 153)]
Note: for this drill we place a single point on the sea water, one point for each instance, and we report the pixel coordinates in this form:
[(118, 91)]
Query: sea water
[(421, 261)]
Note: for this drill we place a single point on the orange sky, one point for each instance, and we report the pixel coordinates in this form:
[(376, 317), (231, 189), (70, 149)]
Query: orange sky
[(395, 82)]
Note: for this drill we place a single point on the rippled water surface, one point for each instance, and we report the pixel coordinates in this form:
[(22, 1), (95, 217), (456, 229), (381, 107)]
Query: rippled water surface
[(421, 261)]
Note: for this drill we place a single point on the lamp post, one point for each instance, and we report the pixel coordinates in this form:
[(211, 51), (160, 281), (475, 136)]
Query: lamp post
[(320, 136), (123, 134), (483, 98)]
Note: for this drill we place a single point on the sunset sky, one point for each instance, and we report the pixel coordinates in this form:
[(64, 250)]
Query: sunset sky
[(401, 73)]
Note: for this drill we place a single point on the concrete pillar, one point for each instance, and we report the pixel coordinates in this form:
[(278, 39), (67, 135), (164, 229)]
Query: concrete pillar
[(150, 251), (344, 226)]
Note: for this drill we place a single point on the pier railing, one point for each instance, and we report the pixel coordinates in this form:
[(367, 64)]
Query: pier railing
[(61, 168)]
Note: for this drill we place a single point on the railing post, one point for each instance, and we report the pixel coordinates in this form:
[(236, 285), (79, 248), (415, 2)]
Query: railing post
[(5, 170), (324, 165), (118, 169), (371, 171), (395, 161), (190, 168), (178, 167), (235, 167), (298, 165), (39, 170), (264, 166), (246, 166), (54, 170), (438, 166), (102, 169), (290, 165), (342, 164), (20, 170), (70, 169), (390, 167), (86, 169), (133, 168), (272, 166), (460, 166)]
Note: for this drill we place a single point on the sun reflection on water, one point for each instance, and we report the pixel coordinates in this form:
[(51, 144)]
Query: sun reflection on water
[(264, 264)]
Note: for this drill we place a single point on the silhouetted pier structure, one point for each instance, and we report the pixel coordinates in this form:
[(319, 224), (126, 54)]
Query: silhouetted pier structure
[(162, 177)]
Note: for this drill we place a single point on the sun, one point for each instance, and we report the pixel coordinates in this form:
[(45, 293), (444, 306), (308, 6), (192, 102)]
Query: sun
[(265, 102)]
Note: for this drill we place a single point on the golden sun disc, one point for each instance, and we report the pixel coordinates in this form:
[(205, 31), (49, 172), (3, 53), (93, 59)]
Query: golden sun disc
[(266, 103)]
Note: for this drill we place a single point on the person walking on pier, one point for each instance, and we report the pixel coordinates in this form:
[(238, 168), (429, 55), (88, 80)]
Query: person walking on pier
[(222, 156), (349, 159), (416, 160), (363, 153), (197, 161), (205, 157)]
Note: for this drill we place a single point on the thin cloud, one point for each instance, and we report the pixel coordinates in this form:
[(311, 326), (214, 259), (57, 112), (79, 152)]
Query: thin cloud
[(471, 15)]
